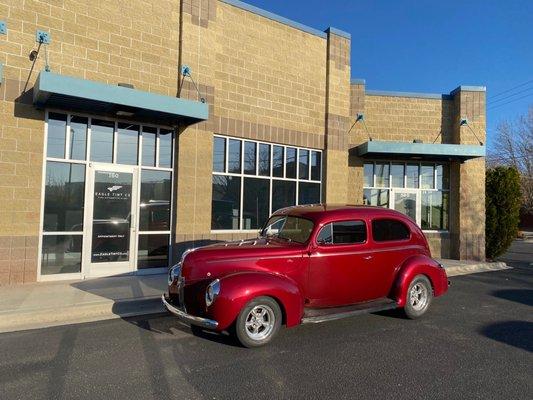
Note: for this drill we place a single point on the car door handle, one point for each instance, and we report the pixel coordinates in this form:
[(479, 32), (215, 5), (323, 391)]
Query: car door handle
[(367, 257)]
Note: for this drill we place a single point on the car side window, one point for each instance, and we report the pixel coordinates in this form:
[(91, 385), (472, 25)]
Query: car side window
[(384, 230), (343, 232)]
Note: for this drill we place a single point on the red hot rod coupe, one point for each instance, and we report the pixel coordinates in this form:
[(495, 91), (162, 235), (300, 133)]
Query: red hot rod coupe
[(310, 264)]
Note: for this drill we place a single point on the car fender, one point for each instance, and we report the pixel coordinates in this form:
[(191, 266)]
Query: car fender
[(419, 265), (238, 289)]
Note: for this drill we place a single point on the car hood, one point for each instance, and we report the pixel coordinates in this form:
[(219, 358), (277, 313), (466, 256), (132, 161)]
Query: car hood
[(217, 260)]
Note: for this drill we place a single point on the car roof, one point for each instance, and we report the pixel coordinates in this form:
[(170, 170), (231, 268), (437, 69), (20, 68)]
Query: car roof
[(320, 212)]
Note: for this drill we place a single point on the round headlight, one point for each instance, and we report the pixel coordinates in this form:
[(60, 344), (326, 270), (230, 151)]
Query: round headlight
[(212, 292)]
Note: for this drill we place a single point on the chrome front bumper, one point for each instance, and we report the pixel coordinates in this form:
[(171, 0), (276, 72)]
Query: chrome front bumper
[(190, 319)]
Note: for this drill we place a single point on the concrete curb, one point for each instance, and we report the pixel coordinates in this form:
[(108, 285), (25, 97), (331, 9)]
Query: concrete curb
[(12, 321), (476, 268)]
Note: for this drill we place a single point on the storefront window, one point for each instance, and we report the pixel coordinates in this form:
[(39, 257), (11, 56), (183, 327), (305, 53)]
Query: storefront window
[(112, 187), (241, 202), (127, 144), (249, 158), (64, 196), (424, 197), (155, 200), (435, 210), (149, 137), (102, 141), (153, 251), (57, 128), (264, 159), (165, 148), (78, 138), (226, 200)]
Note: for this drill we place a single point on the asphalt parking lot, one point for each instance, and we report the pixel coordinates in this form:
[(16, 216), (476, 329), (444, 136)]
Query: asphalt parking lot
[(476, 342)]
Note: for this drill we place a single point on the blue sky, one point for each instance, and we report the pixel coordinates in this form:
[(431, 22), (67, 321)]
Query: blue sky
[(433, 46)]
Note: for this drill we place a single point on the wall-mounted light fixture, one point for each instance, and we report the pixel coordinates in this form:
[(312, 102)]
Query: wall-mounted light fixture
[(464, 122)]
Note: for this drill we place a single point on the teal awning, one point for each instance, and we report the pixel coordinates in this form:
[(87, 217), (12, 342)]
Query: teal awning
[(65, 92), (418, 151)]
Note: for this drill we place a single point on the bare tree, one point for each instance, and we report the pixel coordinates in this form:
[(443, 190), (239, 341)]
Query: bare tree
[(514, 147)]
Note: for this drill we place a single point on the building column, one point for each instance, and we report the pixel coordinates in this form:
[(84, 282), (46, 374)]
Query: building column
[(467, 211), (335, 175)]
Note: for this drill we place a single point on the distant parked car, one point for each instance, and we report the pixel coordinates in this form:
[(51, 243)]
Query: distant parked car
[(310, 264)]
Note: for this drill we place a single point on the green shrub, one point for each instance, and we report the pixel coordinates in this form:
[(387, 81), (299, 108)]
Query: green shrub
[(502, 209)]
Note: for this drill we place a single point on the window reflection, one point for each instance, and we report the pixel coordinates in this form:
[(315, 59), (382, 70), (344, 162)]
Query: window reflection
[(382, 174), (165, 148), (303, 164), (308, 193), (283, 194), (57, 128), (61, 254), (315, 165), (149, 136), (368, 174), (78, 138), (153, 251), (226, 200), (102, 140), (234, 156), (397, 175), (277, 161), (155, 200), (291, 163), (219, 154), (127, 144), (256, 205), (411, 176), (264, 159), (64, 197), (427, 177), (249, 158), (376, 197)]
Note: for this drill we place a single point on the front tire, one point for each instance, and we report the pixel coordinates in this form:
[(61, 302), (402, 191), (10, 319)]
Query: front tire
[(258, 322), (418, 298)]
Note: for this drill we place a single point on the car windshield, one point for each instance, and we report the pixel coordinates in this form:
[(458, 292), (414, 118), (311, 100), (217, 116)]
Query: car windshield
[(292, 229)]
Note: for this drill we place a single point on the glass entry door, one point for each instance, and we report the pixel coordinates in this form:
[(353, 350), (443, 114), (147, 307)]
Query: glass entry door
[(111, 220), (407, 202)]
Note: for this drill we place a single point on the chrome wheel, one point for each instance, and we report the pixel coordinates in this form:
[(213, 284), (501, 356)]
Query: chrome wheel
[(260, 322), (418, 296)]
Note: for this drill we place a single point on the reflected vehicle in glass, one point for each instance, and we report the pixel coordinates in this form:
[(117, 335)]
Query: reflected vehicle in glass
[(309, 264)]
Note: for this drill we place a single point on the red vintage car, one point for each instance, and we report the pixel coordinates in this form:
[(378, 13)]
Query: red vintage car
[(310, 264)]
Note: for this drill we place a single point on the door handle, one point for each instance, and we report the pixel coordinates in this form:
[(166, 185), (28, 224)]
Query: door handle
[(367, 258)]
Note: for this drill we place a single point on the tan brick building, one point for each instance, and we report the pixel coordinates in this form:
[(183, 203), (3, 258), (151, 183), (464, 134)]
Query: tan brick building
[(132, 130)]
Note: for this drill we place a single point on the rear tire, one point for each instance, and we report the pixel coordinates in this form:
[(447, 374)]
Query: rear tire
[(418, 297), (258, 322)]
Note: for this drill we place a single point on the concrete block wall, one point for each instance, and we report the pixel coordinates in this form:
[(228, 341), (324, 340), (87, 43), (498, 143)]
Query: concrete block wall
[(468, 178), (267, 82), (335, 176), (134, 42)]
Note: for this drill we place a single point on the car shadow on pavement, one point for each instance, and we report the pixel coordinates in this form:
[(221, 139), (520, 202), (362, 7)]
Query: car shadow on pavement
[(159, 324), (514, 333), (524, 296)]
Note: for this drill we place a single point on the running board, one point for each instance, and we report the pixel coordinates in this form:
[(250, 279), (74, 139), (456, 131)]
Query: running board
[(316, 315)]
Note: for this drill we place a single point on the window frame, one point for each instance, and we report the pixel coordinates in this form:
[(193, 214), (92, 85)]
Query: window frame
[(419, 190), (271, 178)]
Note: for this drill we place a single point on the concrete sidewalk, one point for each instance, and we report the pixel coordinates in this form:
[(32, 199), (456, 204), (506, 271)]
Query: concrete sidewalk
[(42, 305)]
